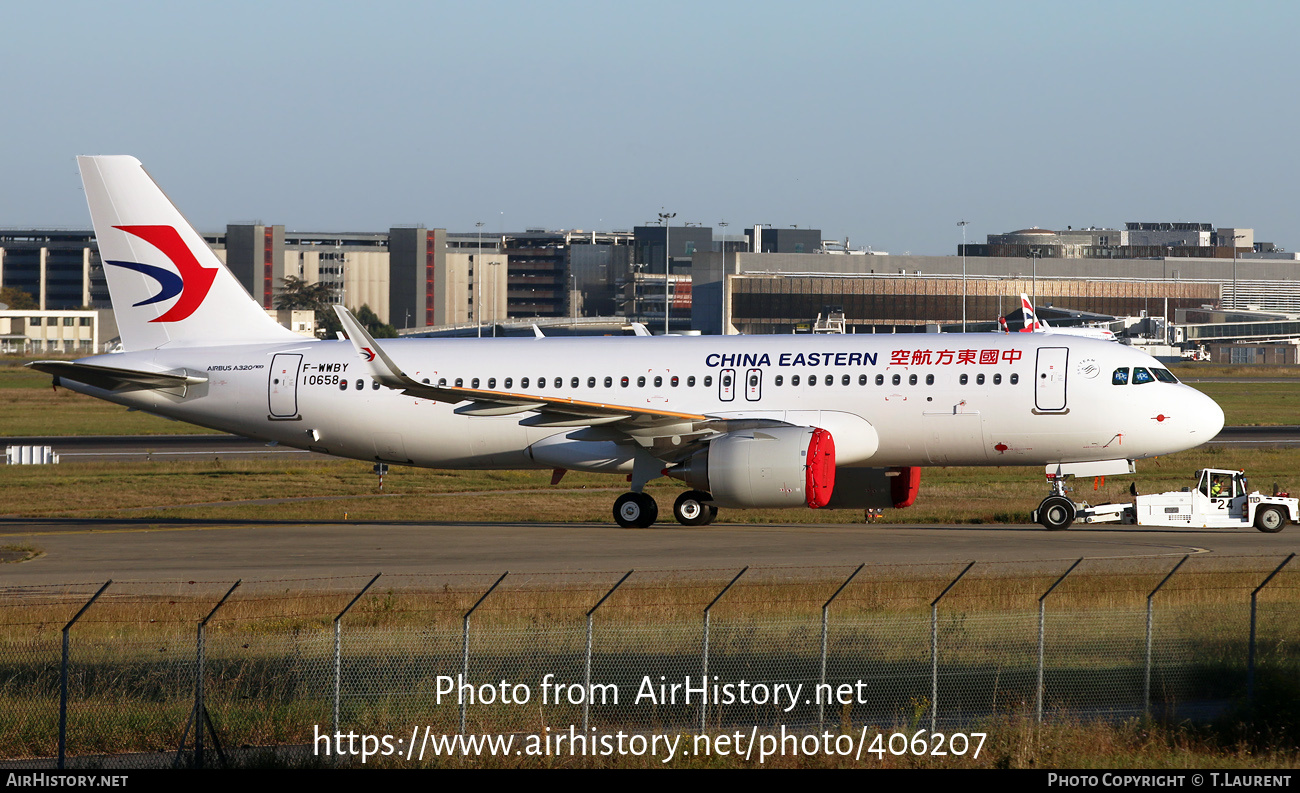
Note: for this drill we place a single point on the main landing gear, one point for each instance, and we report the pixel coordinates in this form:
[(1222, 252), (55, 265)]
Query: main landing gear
[(639, 510), (1056, 512)]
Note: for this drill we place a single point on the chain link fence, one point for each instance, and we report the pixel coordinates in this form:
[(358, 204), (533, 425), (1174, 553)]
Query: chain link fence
[(159, 673)]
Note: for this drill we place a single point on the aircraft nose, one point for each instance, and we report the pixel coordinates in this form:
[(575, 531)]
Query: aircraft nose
[(1207, 416)]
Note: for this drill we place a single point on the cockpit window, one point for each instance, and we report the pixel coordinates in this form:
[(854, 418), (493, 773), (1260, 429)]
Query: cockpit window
[(1164, 375), (1120, 377), (1141, 376)]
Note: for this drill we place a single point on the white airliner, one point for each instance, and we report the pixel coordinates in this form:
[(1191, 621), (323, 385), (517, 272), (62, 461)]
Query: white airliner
[(746, 421)]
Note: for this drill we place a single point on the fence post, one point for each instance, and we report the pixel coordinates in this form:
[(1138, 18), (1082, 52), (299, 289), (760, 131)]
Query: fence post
[(821, 705), (199, 718), (63, 677), (1042, 616), (704, 657), (586, 698), (338, 647), (1250, 659), (464, 645), (1146, 681), (934, 648)]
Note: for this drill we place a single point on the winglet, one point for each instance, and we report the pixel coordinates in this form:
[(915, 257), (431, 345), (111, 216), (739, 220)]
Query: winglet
[(381, 366)]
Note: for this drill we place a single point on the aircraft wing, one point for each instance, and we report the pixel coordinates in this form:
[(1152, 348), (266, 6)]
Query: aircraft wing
[(551, 411), (115, 379)]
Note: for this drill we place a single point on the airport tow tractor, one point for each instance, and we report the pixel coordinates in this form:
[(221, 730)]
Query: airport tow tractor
[(1221, 499)]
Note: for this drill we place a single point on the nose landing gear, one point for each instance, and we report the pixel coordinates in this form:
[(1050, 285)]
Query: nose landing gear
[(1056, 512)]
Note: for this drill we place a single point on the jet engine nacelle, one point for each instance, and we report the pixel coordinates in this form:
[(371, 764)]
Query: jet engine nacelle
[(777, 467), (875, 488)]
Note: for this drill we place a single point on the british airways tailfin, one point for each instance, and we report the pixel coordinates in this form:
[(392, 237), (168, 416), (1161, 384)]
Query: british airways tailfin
[(166, 284)]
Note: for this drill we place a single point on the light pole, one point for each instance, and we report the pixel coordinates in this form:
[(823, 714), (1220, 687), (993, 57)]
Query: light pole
[(1234, 268), (963, 224), (478, 276), (1033, 303), (665, 217)]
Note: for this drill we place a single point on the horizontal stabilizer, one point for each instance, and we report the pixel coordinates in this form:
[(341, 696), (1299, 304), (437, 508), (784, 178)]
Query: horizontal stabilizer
[(114, 379)]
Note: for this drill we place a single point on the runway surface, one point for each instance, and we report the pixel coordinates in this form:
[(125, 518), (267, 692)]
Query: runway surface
[(82, 551)]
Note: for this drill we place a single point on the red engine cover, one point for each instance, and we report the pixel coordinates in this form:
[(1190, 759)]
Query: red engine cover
[(820, 480), (905, 486)]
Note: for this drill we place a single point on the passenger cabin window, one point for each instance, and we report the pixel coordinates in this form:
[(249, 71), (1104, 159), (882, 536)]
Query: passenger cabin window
[(374, 386), (473, 383), (964, 379), (659, 381), (623, 382), (609, 381), (846, 380), (997, 379), (559, 382), (360, 385), (979, 379), (1120, 377), (812, 379), (862, 379), (929, 379), (779, 380), (880, 379), (591, 382), (708, 381), (1015, 378), (897, 380), (674, 381), (640, 382), (523, 383), (690, 381), (794, 379), (460, 382), (573, 382), (442, 381), (510, 382), (492, 382), (1141, 376), (911, 380)]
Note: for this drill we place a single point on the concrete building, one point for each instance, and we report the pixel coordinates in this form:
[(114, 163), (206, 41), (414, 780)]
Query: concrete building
[(765, 293)]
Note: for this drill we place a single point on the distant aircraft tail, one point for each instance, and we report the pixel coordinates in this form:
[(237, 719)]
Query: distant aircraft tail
[(1032, 323), (166, 284)]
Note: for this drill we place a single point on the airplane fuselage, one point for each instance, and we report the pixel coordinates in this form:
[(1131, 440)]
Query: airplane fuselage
[(889, 400)]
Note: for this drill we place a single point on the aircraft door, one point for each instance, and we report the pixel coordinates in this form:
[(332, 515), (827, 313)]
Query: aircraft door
[(1049, 378), (282, 385), (754, 385), (727, 385)]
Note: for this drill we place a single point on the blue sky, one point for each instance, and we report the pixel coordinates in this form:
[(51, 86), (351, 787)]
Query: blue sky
[(883, 122)]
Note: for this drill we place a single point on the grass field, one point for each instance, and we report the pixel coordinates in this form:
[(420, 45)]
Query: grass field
[(162, 490)]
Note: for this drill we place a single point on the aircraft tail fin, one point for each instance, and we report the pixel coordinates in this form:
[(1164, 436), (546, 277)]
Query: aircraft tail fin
[(1032, 323), (166, 284)]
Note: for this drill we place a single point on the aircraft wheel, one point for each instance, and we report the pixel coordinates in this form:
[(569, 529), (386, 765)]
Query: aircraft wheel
[(692, 508), (635, 511), (1056, 513), (1270, 520)]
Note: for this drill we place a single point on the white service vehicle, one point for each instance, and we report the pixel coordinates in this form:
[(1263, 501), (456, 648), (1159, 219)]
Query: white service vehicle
[(1221, 498)]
